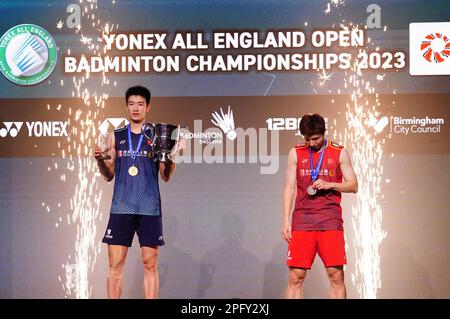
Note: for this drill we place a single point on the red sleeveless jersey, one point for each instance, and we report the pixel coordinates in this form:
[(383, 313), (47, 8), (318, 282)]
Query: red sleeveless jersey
[(321, 211)]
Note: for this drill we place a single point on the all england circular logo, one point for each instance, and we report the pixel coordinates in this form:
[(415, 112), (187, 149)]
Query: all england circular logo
[(435, 47), (28, 54)]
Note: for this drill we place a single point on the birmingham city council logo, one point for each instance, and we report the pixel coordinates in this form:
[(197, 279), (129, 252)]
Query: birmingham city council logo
[(28, 54)]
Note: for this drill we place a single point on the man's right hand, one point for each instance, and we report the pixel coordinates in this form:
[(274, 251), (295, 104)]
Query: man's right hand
[(286, 232), (97, 154)]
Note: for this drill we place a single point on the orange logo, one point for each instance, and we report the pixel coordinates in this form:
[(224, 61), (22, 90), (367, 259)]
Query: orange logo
[(331, 172), (435, 47)]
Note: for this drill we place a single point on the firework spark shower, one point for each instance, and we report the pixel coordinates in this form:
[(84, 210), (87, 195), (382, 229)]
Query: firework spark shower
[(367, 152), (85, 203)]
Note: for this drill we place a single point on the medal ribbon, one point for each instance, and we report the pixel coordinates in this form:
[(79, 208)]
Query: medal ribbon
[(315, 172), (130, 144)]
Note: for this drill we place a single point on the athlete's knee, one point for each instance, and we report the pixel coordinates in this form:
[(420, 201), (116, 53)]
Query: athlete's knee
[(115, 274), (150, 262), (336, 278), (116, 269), (296, 279)]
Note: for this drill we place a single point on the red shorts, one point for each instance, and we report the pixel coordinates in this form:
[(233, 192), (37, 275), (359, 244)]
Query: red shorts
[(304, 245)]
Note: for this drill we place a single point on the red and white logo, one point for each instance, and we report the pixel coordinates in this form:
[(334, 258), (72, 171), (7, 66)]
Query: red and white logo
[(429, 48), (435, 47)]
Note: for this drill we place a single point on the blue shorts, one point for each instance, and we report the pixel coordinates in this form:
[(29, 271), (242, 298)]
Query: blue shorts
[(121, 229)]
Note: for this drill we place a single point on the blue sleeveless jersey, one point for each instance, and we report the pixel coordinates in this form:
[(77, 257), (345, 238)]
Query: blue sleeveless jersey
[(135, 194)]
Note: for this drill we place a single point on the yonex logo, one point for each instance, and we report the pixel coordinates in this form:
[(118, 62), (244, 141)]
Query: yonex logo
[(115, 122), (11, 128), (35, 129)]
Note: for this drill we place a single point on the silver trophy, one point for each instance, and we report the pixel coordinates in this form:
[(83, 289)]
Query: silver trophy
[(164, 139)]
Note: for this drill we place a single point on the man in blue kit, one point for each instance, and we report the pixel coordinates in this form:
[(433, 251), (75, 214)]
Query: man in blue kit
[(136, 202)]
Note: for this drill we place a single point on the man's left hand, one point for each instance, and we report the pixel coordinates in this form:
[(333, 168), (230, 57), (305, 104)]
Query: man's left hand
[(177, 150), (181, 146)]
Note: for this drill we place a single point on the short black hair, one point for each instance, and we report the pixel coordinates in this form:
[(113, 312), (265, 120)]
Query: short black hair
[(311, 124), (138, 90)]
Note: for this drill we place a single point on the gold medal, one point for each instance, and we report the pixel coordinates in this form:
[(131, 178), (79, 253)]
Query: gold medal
[(133, 170)]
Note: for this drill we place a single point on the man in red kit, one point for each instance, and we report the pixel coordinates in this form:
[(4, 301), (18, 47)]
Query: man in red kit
[(318, 171)]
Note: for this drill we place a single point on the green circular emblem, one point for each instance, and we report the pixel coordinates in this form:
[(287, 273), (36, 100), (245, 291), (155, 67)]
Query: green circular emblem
[(28, 54)]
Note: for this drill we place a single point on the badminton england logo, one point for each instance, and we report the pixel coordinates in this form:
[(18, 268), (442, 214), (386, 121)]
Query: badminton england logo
[(225, 122), (28, 54)]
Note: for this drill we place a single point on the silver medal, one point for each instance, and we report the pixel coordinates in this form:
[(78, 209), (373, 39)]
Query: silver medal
[(311, 191)]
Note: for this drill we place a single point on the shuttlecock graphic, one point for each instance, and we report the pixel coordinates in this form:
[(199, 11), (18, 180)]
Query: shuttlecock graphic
[(225, 122), (27, 55)]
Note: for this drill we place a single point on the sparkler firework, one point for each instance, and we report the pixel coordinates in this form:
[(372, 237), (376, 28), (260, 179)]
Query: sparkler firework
[(367, 212), (367, 150), (85, 203)]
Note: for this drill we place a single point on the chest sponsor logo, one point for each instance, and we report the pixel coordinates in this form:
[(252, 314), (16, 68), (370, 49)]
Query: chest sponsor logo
[(323, 172)]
